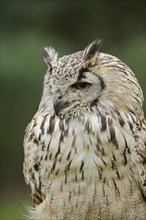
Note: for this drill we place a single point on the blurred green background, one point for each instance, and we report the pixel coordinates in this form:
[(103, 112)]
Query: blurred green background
[(69, 26)]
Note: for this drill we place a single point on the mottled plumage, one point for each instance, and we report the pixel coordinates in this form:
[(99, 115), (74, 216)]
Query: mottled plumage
[(85, 148)]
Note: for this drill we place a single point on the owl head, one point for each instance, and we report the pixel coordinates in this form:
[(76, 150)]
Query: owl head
[(89, 80)]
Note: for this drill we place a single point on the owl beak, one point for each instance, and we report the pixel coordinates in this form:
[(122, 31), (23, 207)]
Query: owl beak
[(59, 105)]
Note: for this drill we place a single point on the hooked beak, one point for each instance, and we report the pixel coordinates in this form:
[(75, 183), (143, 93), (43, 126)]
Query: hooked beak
[(59, 105)]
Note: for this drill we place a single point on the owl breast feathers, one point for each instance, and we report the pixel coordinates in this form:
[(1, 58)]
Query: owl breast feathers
[(85, 148)]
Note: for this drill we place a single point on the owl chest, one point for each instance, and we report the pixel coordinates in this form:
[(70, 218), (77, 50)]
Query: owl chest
[(77, 152), (78, 172), (81, 147)]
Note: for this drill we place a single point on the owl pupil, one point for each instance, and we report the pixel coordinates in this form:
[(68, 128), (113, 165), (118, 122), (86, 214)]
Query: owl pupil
[(83, 85)]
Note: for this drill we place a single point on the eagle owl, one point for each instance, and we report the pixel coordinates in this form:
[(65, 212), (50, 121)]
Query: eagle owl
[(85, 148)]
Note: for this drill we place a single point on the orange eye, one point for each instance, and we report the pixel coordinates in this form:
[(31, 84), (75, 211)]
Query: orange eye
[(82, 85)]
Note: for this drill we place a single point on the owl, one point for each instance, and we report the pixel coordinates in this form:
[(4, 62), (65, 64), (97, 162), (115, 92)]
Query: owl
[(85, 148)]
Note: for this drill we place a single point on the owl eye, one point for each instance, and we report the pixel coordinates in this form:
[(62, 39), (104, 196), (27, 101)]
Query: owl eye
[(82, 85)]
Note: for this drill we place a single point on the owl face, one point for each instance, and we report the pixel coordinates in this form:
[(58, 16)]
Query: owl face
[(88, 78)]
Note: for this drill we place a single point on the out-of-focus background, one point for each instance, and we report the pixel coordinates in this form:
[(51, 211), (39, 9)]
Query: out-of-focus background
[(69, 26)]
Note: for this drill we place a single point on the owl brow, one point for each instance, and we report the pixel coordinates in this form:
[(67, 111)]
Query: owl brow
[(81, 71)]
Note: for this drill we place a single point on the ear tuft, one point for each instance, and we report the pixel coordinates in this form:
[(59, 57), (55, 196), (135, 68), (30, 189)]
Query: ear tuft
[(91, 51), (44, 52), (49, 55)]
